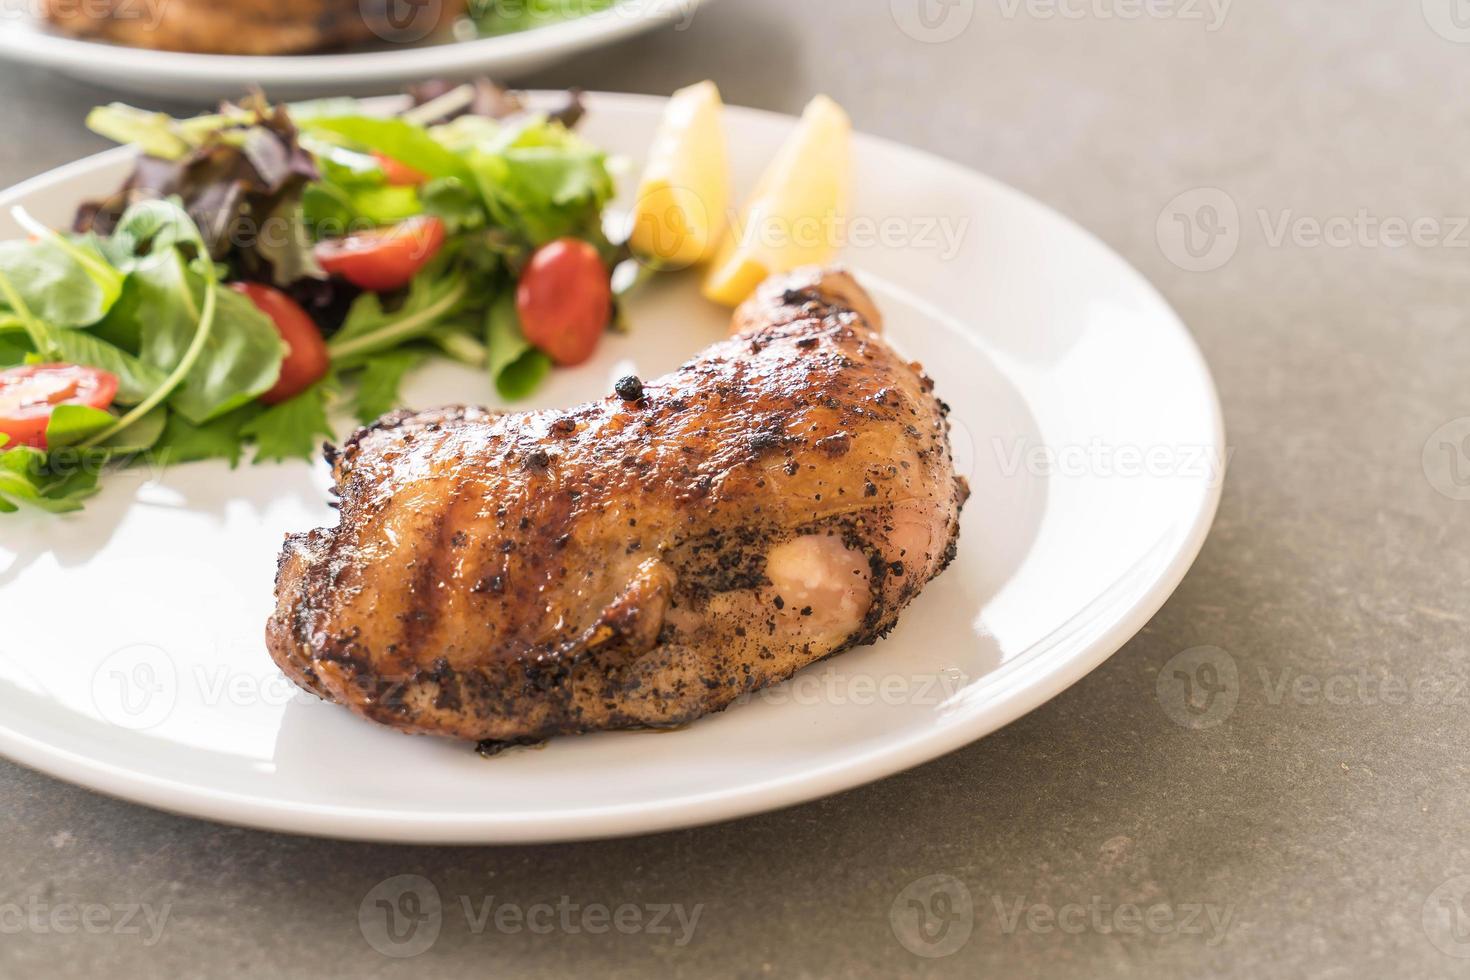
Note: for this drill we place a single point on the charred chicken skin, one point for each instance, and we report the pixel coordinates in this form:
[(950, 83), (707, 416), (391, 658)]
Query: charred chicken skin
[(638, 561)]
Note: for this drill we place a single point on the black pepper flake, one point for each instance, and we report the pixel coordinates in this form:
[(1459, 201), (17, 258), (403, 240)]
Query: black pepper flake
[(806, 610), (629, 388), (896, 568), (459, 539), (780, 603), (490, 583), (870, 489)]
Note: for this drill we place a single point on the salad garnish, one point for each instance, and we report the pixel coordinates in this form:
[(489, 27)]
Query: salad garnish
[(266, 264)]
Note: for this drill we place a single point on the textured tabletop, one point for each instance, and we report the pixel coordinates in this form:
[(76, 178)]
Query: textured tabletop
[(1292, 177)]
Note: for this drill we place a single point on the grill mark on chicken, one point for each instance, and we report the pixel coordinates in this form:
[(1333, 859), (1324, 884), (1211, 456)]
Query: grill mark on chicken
[(611, 566)]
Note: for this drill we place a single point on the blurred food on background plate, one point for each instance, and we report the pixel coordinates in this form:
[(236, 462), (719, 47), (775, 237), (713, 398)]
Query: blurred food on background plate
[(270, 27)]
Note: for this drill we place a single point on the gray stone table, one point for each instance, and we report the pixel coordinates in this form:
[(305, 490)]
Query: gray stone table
[(1323, 823)]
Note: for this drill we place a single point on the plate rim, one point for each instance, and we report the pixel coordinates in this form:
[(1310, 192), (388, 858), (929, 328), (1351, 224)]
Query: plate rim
[(606, 822)]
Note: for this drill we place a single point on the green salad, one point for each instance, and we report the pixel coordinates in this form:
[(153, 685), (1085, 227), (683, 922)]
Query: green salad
[(265, 264)]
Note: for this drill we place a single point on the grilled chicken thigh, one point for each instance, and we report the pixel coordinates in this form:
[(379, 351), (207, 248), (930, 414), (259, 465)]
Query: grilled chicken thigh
[(251, 26), (638, 561)]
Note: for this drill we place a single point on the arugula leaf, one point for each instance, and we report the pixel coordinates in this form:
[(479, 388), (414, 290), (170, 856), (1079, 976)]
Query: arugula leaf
[(516, 367), (166, 221), (84, 249), (432, 297), (241, 358), (27, 476), (71, 425), (377, 386), (13, 351), (291, 429), (403, 141), (241, 361), (184, 442), (55, 286), (149, 228)]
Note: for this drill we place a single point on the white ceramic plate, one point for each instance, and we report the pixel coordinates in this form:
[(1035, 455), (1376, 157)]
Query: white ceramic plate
[(200, 78), (133, 661)]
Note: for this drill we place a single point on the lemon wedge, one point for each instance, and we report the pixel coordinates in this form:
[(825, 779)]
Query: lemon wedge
[(794, 217), (684, 197)]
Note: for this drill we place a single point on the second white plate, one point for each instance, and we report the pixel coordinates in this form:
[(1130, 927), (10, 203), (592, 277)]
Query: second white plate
[(205, 78)]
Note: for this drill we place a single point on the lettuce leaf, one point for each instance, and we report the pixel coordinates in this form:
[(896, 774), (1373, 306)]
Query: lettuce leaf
[(516, 367), (491, 19), (239, 175), (27, 476), (405, 142)]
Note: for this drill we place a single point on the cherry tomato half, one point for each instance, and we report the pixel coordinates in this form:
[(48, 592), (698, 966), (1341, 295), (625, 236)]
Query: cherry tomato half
[(384, 258), (306, 361), (29, 394), (398, 173), (565, 300)]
